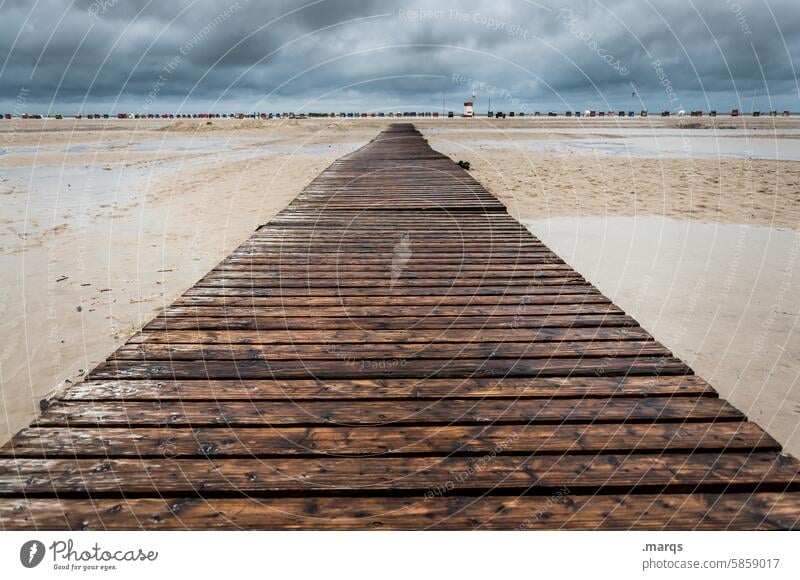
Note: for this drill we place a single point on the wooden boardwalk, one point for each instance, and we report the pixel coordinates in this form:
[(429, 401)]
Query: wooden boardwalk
[(394, 351)]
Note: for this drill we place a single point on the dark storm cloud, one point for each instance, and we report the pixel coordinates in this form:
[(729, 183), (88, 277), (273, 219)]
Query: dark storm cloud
[(333, 54)]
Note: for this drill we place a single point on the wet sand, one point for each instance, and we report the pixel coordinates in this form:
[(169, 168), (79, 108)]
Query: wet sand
[(638, 171), (97, 235), (722, 297), (104, 222)]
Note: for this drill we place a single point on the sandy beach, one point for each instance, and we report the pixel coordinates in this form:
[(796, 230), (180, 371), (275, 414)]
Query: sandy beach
[(690, 225), (648, 167)]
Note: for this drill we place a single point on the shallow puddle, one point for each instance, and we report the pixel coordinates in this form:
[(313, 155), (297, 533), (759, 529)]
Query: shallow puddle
[(722, 297)]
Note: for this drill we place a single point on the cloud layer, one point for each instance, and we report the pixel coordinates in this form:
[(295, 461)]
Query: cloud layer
[(333, 55)]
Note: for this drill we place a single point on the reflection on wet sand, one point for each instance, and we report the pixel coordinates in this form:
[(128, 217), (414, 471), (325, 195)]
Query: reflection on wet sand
[(721, 297)]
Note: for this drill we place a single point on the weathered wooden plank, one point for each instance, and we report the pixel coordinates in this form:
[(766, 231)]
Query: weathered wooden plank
[(363, 247), (390, 368), (426, 474), (349, 262), (253, 255), (391, 311), (300, 390), (387, 293), (264, 275), (563, 509), (266, 271), (527, 282), (379, 301), (391, 322), (386, 413), (353, 441), (389, 336), (347, 352)]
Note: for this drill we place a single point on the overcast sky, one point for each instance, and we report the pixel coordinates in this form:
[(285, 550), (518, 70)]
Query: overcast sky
[(333, 55)]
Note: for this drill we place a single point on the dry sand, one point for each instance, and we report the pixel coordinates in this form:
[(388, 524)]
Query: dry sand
[(159, 203)]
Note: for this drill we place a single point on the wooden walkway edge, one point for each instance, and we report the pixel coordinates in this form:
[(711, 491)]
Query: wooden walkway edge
[(394, 351)]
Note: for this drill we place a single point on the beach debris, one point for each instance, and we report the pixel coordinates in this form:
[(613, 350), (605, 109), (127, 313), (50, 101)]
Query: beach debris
[(62, 278), (464, 165), (79, 308)]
